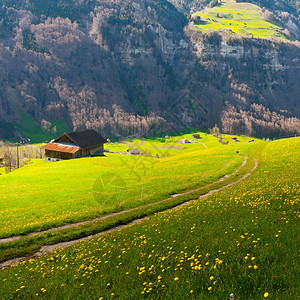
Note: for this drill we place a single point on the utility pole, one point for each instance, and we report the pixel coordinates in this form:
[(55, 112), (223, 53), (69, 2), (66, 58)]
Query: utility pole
[(18, 163)]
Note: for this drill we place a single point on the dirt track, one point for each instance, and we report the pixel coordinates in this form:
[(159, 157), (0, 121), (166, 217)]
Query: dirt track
[(46, 249)]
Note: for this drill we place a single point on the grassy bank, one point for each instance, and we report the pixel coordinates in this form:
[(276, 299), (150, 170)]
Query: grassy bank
[(45, 195), (31, 244), (242, 241)]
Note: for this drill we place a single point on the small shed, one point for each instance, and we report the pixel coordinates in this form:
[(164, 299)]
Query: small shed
[(75, 145)]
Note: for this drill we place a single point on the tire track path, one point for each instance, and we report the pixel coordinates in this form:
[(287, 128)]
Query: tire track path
[(49, 248), (16, 238)]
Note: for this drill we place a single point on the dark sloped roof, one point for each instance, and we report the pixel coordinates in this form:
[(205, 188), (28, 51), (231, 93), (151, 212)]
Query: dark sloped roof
[(86, 138)]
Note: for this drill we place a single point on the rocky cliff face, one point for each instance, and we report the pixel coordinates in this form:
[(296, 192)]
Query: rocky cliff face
[(272, 56), (258, 80), (125, 67)]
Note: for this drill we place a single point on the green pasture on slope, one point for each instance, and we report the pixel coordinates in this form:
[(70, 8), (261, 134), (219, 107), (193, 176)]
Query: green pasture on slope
[(46, 194), (243, 18), (240, 243), (30, 128)]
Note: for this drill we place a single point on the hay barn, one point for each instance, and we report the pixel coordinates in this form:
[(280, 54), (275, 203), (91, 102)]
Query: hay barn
[(75, 145)]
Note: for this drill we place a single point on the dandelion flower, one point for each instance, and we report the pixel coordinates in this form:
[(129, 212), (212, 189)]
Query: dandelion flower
[(266, 295)]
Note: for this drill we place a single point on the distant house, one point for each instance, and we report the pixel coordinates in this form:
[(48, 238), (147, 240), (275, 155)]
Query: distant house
[(235, 139), (196, 136), (75, 145), (186, 141), (133, 151)]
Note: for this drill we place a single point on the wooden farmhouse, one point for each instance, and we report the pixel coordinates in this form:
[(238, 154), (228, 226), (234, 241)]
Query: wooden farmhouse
[(75, 145)]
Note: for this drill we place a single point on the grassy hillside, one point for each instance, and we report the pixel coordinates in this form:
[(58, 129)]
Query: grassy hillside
[(43, 195), (30, 128), (239, 243), (242, 18)]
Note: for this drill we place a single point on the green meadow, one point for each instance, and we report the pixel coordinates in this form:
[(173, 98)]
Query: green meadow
[(30, 128), (240, 243), (243, 18), (43, 195)]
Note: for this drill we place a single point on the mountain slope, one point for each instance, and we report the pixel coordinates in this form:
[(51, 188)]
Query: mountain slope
[(290, 6), (128, 67)]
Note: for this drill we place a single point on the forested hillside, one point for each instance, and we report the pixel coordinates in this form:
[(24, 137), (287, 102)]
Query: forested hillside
[(128, 67)]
